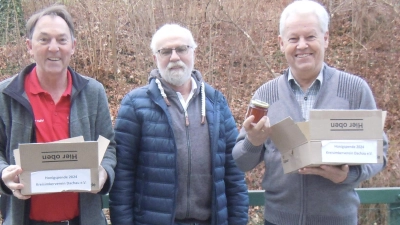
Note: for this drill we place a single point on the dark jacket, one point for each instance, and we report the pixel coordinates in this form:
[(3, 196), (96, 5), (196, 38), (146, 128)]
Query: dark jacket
[(89, 117), (145, 188)]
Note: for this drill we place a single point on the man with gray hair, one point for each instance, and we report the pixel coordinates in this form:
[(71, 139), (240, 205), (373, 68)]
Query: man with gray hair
[(48, 101), (314, 195), (174, 146)]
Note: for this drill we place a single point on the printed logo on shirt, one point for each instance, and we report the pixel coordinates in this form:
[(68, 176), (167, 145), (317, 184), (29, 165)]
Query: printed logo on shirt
[(39, 121)]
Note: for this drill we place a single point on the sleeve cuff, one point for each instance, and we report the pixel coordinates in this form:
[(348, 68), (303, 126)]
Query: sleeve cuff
[(353, 175), (249, 147)]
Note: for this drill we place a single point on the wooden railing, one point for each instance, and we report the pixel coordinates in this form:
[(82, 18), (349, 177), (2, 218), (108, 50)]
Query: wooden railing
[(388, 195)]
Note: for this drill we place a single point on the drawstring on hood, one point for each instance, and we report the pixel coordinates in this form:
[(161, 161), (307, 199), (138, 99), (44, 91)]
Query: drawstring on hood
[(162, 92), (203, 103), (202, 92)]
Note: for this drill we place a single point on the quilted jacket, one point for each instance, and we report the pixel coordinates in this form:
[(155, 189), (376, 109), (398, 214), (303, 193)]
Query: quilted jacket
[(145, 186)]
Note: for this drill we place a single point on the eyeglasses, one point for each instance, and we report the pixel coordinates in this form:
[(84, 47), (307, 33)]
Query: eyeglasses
[(180, 50)]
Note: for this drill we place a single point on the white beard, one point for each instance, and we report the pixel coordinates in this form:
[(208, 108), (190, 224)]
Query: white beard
[(177, 77)]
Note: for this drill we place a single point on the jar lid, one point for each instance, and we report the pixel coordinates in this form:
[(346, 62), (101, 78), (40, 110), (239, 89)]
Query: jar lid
[(259, 103)]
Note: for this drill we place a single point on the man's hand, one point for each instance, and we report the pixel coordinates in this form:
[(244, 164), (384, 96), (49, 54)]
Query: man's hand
[(102, 179), (336, 174), (257, 133), (11, 180)]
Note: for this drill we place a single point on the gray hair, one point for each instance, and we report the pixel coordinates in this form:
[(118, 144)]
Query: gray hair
[(54, 10), (168, 29), (305, 7)]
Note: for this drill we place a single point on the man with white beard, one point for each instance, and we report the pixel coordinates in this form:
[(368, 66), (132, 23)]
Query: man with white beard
[(174, 146)]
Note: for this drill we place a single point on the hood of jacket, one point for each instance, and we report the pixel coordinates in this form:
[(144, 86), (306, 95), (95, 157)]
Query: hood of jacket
[(167, 92)]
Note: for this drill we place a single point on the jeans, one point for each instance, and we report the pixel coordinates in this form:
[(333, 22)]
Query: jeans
[(268, 223)]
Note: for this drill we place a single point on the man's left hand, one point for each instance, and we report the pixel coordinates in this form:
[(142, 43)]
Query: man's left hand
[(336, 174), (102, 179)]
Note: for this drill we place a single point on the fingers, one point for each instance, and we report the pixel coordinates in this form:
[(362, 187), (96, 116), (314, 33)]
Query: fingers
[(17, 194), (10, 177), (263, 123), (102, 179), (11, 180), (257, 133), (336, 174), (247, 124)]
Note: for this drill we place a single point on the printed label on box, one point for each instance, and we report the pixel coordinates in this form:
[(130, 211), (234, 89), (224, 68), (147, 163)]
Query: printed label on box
[(49, 181), (362, 151)]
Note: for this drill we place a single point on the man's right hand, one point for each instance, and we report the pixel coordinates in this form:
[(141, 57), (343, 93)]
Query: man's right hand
[(258, 133), (11, 180)]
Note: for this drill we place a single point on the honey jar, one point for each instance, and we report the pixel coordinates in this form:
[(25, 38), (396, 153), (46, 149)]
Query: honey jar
[(258, 109)]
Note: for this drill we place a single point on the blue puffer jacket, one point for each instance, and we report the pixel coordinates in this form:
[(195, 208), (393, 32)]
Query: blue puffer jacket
[(145, 185)]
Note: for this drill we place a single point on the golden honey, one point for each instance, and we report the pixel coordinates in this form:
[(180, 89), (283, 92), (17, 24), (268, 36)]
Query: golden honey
[(258, 109)]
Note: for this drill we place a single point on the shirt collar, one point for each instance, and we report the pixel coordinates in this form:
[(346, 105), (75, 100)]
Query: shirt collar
[(35, 87), (320, 76), (183, 102), (194, 86)]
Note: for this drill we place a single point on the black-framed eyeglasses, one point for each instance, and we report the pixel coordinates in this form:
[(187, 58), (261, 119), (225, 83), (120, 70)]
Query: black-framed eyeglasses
[(180, 50)]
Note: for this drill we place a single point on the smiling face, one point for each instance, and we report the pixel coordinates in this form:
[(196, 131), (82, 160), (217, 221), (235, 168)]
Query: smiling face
[(304, 44), (175, 69), (51, 46)]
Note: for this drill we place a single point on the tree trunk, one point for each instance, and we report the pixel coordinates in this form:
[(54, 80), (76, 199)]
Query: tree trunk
[(11, 21)]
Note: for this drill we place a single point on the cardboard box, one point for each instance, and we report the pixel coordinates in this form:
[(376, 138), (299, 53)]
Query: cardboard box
[(69, 165), (332, 137)]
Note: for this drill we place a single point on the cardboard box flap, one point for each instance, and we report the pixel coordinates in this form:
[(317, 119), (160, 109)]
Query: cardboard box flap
[(57, 155), (17, 156), (103, 144), (70, 140), (305, 129), (286, 135), (332, 113), (345, 124), (384, 114)]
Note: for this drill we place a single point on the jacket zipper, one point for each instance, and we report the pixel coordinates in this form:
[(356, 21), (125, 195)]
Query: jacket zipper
[(189, 163)]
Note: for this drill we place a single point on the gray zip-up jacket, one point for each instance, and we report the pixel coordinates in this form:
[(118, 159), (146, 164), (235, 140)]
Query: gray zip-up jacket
[(89, 117), (193, 153), (308, 199)]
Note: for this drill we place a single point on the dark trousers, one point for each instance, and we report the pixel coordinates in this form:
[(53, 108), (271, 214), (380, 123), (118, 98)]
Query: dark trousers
[(190, 223), (74, 221), (268, 223)]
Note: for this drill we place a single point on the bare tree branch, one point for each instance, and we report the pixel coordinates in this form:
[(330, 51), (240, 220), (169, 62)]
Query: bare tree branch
[(250, 39), (395, 9), (357, 41)]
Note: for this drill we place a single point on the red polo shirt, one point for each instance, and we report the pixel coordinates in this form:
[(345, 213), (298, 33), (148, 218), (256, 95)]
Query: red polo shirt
[(52, 124)]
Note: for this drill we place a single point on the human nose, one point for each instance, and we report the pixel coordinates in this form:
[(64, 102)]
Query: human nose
[(174, 56), (302, 44), (53, 46)]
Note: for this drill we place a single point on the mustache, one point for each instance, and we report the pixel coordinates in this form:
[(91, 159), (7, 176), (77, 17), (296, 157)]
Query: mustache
[(173, 64)]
